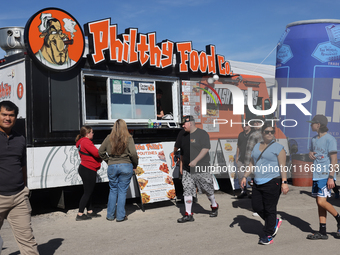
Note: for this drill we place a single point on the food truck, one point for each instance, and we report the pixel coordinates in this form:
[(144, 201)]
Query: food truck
[(62, 78)]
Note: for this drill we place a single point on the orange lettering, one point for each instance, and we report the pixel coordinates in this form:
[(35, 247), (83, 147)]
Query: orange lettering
[(194, 61), (220, 59), (183, 48), (155, 51), (211, 59), (227, 67), (100, 35), (142, 48), (133, 39), (116, 46), (203, 62), (167, 50), (139, 147)]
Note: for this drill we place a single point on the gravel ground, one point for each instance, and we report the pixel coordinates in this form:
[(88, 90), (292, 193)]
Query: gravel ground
[(156, 231)]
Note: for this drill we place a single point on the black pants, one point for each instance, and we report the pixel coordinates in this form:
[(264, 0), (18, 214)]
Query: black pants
[(88, 177), (264, 201)]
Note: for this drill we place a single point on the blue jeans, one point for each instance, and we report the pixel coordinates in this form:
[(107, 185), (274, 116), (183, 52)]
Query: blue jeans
[(119, 181)]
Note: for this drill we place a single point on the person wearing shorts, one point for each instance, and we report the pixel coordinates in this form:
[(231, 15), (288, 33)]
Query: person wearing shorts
[(194, 162), (323, 151)]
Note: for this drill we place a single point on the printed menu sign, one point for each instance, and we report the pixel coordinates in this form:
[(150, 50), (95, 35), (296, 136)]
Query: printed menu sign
[(153, 175), (191, 99)]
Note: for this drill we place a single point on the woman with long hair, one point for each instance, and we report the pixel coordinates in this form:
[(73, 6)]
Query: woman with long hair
[(119, 152), (89, 165), (268, 161)]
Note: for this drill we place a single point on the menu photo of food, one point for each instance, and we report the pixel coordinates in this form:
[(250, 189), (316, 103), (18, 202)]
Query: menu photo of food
[(169, 180), (185, 98), (171, 194), (231, 158), (139, 171), (164, 168), (142, 183), (228, 147), (212, 112), (197, 110), (161, 155), (195, 89), (145, 198), (151, 87)]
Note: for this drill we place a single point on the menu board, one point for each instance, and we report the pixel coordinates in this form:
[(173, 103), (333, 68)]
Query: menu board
[(191, 99), (229, 148), (153, 175)]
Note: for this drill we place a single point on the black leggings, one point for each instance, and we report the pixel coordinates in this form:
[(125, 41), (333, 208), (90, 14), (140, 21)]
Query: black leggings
[(88, 177)]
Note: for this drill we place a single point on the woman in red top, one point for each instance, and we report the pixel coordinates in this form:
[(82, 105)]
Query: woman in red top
[(89, 165)]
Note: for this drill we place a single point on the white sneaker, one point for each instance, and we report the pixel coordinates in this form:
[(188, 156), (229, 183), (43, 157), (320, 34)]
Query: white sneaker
[(256, 214)]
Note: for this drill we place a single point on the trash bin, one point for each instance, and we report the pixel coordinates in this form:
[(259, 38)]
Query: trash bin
[(302, 174)]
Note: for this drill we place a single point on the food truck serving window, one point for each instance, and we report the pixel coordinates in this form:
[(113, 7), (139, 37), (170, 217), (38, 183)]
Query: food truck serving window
[(132, 99), (107, 98)]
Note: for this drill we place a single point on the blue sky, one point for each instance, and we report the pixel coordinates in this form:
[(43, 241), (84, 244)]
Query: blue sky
[(242, 30)]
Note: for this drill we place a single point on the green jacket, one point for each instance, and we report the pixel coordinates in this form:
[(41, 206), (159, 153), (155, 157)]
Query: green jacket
[(128, 156)]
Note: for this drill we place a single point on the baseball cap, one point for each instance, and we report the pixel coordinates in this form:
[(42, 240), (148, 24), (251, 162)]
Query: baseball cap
[(187, 118), (319, 119)]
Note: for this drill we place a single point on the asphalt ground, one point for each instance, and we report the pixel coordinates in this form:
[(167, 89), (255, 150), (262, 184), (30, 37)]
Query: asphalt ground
[(156, 231)]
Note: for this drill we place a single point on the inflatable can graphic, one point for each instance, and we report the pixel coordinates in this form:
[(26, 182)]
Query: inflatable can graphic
[(308, 56)]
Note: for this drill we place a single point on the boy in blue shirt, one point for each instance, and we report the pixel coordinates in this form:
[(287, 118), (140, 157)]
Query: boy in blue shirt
[(323, 151)]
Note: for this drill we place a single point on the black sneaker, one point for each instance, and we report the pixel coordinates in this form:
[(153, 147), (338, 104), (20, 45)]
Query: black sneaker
[(266, 240), (186, 218), (338, 232), (94, 215), (242, 195), (214, 211), (83, 217), (195, 199)]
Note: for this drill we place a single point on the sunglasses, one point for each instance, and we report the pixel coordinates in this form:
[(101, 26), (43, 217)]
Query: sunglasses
[(267, 132)]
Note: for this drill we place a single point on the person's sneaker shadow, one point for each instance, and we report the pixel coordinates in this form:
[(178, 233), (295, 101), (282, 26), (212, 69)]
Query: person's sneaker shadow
[(247, 225), (304, 226)]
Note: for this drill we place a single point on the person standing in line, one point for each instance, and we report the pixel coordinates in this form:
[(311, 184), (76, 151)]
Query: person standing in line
[(195, 146), (240, 152), (323, 151), (268, 160), (89, 165), (119, 152), (14, 202)]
